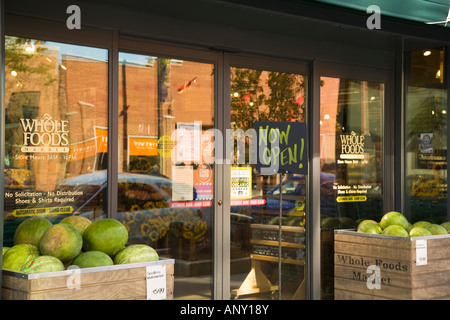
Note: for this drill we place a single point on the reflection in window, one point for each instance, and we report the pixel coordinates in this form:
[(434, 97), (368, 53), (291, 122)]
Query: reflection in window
[(258, 95), (351, 178), (426, 136), (56, 101), (165, 189)]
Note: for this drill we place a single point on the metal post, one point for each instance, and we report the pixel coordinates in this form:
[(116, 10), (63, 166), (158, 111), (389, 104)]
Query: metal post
[(113, 126), (2, 131), (447, 83), (280, 224)]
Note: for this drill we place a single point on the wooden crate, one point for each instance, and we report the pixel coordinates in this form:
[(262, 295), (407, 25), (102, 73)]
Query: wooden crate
[(402, 274), (116, 282)]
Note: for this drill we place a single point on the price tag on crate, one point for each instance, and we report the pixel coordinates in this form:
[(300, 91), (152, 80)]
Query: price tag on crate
[(421, 252), (156, 282)]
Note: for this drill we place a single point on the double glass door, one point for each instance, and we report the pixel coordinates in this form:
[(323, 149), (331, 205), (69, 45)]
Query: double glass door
[(191, 186)]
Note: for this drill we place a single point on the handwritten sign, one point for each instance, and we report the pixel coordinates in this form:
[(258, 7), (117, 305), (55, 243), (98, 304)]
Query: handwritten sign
[(281, 147), (156, 282), (421, 252)]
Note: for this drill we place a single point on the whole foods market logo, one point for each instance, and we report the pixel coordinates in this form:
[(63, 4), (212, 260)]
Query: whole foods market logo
[(45, 135), (352, 146)]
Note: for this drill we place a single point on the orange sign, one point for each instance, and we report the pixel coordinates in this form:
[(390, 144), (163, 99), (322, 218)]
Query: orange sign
[(142, 146), (101, 134), (81, 150), (90, 147)]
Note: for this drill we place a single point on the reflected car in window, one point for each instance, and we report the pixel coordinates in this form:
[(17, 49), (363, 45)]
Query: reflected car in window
[(293, 200), (145, 191), (144, 200)]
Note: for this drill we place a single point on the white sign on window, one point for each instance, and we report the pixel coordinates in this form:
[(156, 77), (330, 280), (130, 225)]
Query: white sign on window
[(188, 137), (183, 183)]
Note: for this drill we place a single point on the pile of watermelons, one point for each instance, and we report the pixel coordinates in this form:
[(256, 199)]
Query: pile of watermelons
[(40, 246)]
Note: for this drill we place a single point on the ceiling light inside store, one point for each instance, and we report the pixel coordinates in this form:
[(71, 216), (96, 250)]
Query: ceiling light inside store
[(427, 53), (438, 74), (444, 111), (236, 94), (13, 73)]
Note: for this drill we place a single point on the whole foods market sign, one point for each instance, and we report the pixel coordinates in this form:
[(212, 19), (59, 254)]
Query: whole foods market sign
[(352, 146), (45, 135)]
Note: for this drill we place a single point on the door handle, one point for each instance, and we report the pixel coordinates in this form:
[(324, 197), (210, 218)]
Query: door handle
[(219, 202)]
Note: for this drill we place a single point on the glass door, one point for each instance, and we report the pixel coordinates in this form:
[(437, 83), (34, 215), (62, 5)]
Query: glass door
[(267, 211), (166, 169)]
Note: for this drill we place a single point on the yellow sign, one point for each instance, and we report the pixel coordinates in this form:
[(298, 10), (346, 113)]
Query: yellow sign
[(165, 146), (142, 146), (241, 183), (53, 211), (351, 198)]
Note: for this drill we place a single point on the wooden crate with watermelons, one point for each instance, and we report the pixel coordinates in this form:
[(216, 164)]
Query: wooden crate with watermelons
[(77, 259), (392, 259)]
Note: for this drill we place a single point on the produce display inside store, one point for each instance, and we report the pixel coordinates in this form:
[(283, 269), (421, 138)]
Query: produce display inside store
[(40, 246), (394, 223)]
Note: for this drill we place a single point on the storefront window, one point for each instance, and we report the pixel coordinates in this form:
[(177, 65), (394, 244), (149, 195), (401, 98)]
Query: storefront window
[(351, 136), (426, 136), (165, 191), (56, 102), (262, 267)]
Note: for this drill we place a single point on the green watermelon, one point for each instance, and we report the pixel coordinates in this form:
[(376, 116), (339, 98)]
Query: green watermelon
[(106, 235), (4, 250), (136, 253), (62, 241), (18, 255), (43, 264), (436, 229), (80, 223), (330, 223), (446, 225), (92, 259), (31, 230)]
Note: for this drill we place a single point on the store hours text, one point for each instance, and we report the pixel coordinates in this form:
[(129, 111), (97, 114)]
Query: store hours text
[(44, 157)]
